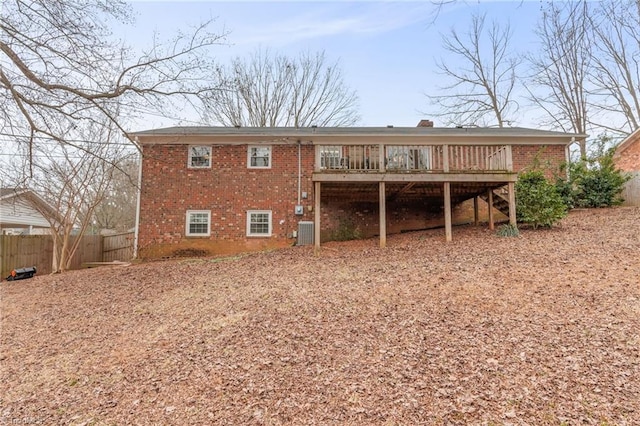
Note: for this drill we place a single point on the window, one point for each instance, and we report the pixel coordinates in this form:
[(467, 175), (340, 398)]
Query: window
[(259, 223), (259, 157), (408, 157), (199, 157), (198, 223), (330, 157)]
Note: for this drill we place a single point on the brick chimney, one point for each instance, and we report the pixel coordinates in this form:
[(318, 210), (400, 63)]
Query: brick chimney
[(425, 123)]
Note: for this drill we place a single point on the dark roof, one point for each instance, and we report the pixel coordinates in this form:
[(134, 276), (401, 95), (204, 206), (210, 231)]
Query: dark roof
[(354, 131)]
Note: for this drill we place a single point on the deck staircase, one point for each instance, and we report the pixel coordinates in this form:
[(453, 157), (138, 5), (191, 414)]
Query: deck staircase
[(500, 200)]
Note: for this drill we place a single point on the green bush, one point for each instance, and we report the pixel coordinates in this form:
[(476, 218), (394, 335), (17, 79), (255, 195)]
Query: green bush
[(566, 191), (538, 202), (593, 181), (508, 230), (346, 231)]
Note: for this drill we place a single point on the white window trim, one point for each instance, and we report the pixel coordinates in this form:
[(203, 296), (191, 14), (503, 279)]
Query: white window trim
[(249, 157), (331, 157), (249, 213), (189, 157), (188, 221)]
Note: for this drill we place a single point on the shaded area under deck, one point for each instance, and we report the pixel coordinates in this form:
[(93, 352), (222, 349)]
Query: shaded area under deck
[(439, 190)]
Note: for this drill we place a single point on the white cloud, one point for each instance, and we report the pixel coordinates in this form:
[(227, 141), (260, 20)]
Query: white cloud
[(331, 20)]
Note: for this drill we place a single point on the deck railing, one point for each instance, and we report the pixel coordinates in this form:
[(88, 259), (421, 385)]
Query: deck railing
[(414, 158)]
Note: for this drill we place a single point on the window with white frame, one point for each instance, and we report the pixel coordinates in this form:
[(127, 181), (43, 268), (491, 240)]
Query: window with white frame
[(198, 223), (259, 223), (330, 157), (199, 157), (259, 157)]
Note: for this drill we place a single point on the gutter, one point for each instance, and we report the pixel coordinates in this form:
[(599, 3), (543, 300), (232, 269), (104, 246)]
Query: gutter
[(135, 235)]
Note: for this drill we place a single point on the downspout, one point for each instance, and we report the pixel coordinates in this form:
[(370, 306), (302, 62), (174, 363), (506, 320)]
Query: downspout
[(567, 155), (136, 231), (299, 170)]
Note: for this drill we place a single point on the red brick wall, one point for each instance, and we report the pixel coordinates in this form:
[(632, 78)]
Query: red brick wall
[(629, 159), (364, 217), (228, 189), (546, 157)]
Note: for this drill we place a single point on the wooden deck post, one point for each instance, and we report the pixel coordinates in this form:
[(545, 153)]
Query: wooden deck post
[(316, 228), (509, 159), (318, 158), (383, 215), (490, 201), (512, 203), (447, 211), (476, 212), (445, 158)]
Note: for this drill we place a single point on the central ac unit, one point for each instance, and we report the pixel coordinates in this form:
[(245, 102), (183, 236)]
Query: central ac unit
[(305, 233)]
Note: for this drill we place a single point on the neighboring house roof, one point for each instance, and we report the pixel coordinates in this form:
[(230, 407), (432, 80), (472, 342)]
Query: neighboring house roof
[(518, 135), (10, 192), (627, 155), (20, 207)]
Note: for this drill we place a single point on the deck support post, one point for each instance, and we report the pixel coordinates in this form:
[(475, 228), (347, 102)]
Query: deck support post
[(383, 215), (490, 202), (316, 228), (512, 203), (447, 211), (445, 158), (476, 211)]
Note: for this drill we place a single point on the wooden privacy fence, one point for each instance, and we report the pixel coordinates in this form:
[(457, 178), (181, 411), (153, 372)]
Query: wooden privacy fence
[(117, 247), (631, 192), (17, 251)]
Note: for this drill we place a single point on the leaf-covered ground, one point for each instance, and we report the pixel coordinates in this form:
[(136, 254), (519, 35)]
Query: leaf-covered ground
[(539, 329)]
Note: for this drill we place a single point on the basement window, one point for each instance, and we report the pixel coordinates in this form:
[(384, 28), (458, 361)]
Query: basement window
[(259, 223), (199, 157), (198, 223), (259, 157)]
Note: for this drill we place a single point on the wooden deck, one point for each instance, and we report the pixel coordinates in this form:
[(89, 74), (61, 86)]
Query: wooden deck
[(402, 159), (443, 175)]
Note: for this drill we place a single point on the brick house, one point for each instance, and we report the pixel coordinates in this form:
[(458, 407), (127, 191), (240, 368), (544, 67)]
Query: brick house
[(627, 158), (627, 155), (220, 190)]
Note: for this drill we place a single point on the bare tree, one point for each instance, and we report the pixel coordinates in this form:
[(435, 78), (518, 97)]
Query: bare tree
[(117, 210), (274, 90), (75, 180), (560, 70), (61, 68), (481, 90), (616, 64)]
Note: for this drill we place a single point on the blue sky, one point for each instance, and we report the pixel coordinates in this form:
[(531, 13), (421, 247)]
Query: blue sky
[(387, 50)]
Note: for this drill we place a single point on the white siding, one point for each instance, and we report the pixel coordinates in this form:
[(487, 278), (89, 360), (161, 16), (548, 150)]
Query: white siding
[(17, 212)]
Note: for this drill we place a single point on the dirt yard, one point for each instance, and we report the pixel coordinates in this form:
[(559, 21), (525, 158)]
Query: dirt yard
[(542, 329)]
